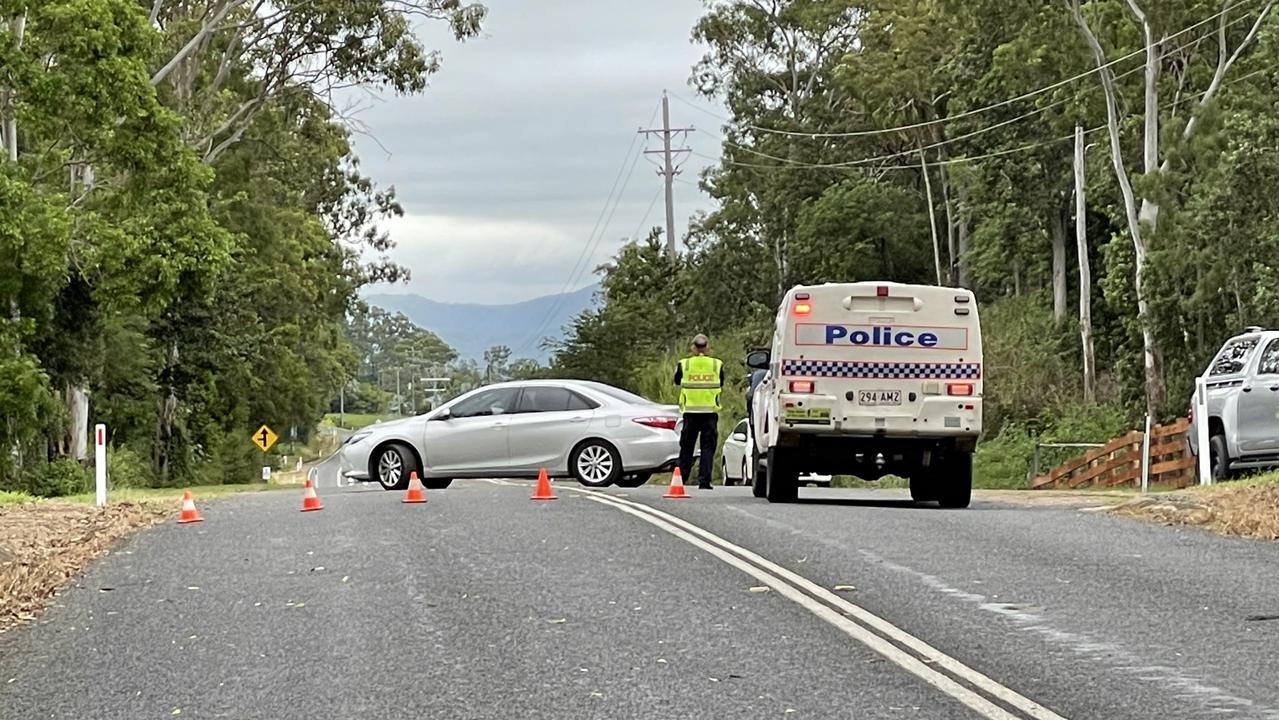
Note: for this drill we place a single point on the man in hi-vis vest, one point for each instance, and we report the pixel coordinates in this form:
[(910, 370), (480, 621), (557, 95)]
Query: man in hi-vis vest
[(700, 378)]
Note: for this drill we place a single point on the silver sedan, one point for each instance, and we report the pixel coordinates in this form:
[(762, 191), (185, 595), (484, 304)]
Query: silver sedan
[(596, 433)]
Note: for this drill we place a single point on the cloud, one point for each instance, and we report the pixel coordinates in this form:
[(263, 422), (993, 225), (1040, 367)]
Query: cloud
[(505, 163), (487, 261)]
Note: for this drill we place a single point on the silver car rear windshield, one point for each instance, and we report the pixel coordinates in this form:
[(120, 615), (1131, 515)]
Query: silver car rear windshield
[(618, 394)]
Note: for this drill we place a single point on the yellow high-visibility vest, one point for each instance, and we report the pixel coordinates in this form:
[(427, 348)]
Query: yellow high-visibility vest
[(699, 385)]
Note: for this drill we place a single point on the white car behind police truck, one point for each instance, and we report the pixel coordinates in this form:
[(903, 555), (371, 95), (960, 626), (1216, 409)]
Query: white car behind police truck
[(870, 379)]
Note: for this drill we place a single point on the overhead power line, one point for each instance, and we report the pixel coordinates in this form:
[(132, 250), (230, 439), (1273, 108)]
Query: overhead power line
[(950, 140), (640, 227), (961, 160), (975, 111), (593, 239)]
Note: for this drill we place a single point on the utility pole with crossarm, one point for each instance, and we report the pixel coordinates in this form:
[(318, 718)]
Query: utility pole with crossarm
[(668, 170)]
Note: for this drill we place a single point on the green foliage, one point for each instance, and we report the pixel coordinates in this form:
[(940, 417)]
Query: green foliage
[(127, 468), (58, 478), (807, 191), (185, 229), (1004, 460), (862, 230), (9, 497), (1030, 361)]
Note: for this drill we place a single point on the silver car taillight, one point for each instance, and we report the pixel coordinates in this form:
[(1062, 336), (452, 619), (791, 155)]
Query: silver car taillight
[(663, 423)]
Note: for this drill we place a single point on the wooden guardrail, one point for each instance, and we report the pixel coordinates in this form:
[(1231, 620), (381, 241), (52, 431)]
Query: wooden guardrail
[(1118, 462)]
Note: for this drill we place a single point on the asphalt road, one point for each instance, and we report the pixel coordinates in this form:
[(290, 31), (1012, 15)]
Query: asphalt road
[(483, 604)]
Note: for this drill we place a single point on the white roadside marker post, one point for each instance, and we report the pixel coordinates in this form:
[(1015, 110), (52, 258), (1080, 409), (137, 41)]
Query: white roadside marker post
[(1201, 431), (1145, 458), (100, 464)]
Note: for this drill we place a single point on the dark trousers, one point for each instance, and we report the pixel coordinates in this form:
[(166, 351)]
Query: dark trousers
[(703, 427)]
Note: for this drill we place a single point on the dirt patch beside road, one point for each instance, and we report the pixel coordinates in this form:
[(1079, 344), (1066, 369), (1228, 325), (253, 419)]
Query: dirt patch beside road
[(1053, 498), (44, 544), (1243, 510)]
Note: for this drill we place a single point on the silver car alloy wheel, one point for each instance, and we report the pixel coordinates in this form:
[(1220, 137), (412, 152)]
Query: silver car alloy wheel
[(595, 464), (390, 467)]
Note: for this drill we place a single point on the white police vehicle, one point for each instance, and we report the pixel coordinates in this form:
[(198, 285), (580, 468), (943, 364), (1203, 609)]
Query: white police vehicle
[(870, 379)]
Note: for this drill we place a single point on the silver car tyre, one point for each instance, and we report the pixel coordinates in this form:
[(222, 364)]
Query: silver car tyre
[(595, 463), (392, 465)]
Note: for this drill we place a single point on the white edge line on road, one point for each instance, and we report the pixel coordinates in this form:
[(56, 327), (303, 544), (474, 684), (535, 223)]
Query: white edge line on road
[(907, 662), (678, 526)]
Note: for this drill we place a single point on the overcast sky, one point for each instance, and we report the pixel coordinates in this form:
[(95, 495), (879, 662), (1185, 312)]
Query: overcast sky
[(505, 163)]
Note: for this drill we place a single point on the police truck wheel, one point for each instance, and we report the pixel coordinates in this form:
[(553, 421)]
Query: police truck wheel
[(595, 463), (954, 488), (783, 477), (759, 480), (922, 485)]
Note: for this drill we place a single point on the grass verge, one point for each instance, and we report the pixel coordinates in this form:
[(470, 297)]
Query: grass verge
[(1245, 508), (355, 421), (45, 543), (8, 497)]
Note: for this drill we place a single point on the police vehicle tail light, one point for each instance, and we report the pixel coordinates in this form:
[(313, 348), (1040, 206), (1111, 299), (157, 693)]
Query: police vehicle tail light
[(663, 423), (965, 389), (801, 386), (802, 304)]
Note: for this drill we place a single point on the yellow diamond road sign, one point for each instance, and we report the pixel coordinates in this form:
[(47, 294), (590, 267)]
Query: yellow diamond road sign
[(264, 438)]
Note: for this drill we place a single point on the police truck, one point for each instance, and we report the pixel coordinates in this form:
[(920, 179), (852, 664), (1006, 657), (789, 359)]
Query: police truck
[(870, 379)]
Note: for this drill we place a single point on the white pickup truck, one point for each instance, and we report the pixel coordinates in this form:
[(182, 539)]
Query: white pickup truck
[(870, 379), (1243, 404)]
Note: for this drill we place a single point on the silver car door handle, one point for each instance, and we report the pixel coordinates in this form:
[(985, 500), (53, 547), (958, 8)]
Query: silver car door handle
[(577, 419)]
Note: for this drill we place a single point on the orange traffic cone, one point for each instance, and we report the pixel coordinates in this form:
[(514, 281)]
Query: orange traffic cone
[(189, 514), (543, 489), (310, 501), (677, 486), (414, 493)]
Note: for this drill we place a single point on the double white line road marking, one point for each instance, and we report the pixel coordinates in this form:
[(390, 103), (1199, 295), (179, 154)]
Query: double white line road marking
[(966, 685)]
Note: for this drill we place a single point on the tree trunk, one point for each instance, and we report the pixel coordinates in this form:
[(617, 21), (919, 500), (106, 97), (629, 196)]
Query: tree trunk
[(77, 438), (963, 234), (932, 214), (1151, 355), (166, 416), (1057, 231), (8, 103), (1085, 273)]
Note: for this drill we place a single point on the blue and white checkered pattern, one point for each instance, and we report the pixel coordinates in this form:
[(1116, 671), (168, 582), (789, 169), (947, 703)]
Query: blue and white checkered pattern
[(882, 370)]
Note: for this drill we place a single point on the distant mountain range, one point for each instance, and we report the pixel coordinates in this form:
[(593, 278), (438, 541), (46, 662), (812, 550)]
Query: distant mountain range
[(471, 328)]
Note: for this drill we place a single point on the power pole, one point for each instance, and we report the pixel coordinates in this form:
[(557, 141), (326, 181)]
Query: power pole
[(669, 170)]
